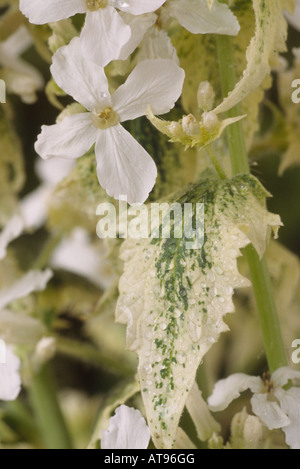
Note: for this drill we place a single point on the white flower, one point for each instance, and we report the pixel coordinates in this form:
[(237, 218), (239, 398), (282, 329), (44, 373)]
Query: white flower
[(194, 15), (276, 407), (127, 430), (34, 206), (124, 167), (20, 77), (10, 380), (11, 231), (198, 18), (104, 32)]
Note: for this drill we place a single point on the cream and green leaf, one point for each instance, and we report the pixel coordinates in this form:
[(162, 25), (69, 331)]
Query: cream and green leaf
[(173, 300)]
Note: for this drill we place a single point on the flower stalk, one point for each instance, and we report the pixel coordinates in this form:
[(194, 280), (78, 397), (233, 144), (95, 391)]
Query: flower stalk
[(261, 281)]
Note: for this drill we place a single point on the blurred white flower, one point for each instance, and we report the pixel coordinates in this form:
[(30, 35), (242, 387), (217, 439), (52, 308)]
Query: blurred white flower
[(102, 21), (34, 206), (276, 407), (11, 231), (127, 430), (294, 19), (10, 379), (77, 254), (194, 15), (124, 167), (20, 77)]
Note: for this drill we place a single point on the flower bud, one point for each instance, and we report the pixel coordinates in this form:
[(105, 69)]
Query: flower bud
[(190, 125), (210, 121), (205, 96)]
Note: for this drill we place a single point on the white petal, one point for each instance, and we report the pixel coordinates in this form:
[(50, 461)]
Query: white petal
[(124, 167), (52, 172), (139, 26), (127, 430), (226, 390), (10, 380), (79, 77), (290, 404), (157, 45), (281, 376), (77, 254), (268, 411), (71, 138), (157, 83), (294, 19), (51, 10), (103, 36), (17, 43), (34, 280), (137, 7), (196, 17), (34, 207), (11, 231)]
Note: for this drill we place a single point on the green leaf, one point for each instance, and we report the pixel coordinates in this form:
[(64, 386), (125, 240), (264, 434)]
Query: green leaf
[(173, 300), (269, 39)]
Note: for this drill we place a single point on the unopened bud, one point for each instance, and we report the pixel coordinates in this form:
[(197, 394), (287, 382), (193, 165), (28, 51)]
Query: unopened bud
[(210, 121), (175, 129), (205, 96), (190, 125)]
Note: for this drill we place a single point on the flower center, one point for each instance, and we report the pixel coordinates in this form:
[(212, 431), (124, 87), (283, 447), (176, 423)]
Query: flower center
[(107, 118), (94, 5), (268, 382)]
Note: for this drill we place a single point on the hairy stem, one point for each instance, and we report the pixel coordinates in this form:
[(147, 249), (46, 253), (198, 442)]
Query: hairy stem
[(262, 286)]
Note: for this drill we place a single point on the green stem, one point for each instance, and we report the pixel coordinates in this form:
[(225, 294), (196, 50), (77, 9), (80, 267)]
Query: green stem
[(48, 413), (262, 285), (215, 162)]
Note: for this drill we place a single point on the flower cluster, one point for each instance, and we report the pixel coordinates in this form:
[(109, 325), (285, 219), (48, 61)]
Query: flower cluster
[(113, 29)]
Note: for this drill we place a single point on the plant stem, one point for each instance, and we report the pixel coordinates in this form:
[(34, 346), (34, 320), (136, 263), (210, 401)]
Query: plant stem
[(48, 413), (262, 285), (215, 162)]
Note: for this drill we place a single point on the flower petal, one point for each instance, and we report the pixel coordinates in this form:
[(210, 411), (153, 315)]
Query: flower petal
[(71, 138), (124, 167), (290, 404), (139, 26), (198, 18), (34, 280), (281, 376), (268, 411), (11, 231), (51, 10), (137, 7), (127, 430), (157, 45), (84, 80), (226, 390), (103, 36), (78, 255), (10, 380), (157, 83)]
